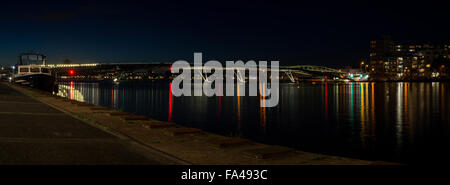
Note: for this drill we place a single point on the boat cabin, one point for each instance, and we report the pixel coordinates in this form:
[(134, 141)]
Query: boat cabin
[(32, 63)]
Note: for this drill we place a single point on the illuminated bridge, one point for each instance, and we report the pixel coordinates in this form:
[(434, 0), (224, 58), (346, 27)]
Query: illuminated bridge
[(145, 70), (110, 70)]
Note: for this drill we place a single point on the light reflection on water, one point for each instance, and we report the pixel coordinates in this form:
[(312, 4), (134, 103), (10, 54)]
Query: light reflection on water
[(380, 121)]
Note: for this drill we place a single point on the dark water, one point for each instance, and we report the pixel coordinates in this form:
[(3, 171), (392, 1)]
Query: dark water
[(404, 122)]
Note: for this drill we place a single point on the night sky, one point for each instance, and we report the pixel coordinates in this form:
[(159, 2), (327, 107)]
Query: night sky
[(322, 33)]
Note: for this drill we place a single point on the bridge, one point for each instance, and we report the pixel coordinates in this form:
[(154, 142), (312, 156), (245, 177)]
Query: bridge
[(146, 70)]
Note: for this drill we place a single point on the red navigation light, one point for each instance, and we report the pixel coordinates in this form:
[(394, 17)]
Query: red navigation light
[(71, 72)]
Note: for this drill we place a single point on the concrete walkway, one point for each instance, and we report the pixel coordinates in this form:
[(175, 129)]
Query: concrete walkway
[(34, 133)]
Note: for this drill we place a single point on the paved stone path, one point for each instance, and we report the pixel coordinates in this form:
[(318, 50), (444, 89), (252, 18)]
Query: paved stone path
[(32, 132)]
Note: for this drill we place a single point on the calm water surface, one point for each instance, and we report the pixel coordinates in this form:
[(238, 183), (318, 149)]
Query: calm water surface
[(404, 122)]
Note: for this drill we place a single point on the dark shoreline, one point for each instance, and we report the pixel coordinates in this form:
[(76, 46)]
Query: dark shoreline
[(281, 81)]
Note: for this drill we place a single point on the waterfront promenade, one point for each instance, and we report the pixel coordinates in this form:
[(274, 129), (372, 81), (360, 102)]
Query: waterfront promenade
[(41, 128), (32, 132)]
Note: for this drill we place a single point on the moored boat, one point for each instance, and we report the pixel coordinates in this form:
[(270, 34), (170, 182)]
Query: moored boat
[(31, 70)]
